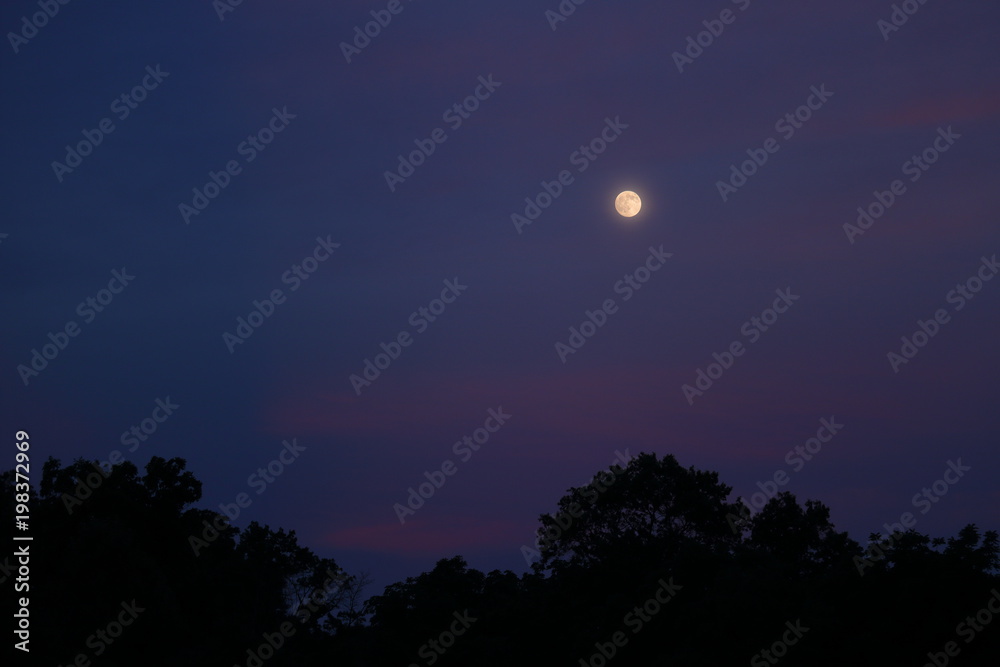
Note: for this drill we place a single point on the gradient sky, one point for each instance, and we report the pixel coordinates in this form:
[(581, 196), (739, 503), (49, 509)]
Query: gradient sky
[(323, 176)]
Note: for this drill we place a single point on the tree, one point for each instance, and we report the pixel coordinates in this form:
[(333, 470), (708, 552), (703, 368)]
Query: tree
[(802, 540), (651, 507), (116, 537)]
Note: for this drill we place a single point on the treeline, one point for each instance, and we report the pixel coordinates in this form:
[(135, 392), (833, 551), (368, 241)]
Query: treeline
[(650, 564)]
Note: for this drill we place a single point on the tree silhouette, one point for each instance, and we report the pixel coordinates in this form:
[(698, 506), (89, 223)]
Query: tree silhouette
[(738, 583), (652, 507), (114, 537)]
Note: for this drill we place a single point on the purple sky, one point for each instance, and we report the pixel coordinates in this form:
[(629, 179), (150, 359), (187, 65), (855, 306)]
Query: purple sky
[(323, 176)]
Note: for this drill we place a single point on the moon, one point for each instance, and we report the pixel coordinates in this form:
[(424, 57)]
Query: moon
[(628, 203)]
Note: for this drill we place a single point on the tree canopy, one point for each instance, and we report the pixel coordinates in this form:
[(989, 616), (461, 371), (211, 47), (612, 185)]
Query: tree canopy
[(649, 563)]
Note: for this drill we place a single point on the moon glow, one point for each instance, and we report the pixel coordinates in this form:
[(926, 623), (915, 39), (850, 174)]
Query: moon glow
[(628, 203)]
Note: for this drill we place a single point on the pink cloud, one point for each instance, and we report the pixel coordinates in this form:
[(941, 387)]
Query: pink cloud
[(561, 416), (941, 110)]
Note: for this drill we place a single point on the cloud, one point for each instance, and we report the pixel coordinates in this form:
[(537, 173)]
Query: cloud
[(940, 110)]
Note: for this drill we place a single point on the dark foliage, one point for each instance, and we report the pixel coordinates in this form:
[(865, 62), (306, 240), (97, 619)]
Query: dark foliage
[(734, 583)]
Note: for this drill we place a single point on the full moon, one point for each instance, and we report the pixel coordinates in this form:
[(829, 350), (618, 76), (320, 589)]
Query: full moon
[(628, 203)]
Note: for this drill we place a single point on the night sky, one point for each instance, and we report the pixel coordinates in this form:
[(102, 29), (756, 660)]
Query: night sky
[(250, 165)]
